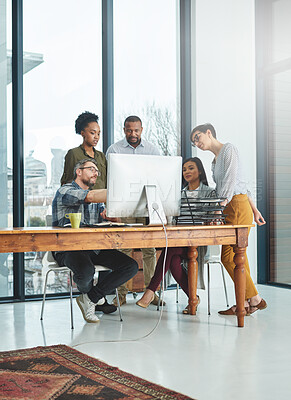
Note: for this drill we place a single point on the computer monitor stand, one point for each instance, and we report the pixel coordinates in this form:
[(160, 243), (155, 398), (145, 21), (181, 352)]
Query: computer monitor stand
[(154, 206)]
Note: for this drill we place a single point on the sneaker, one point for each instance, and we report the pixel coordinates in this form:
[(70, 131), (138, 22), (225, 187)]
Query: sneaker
[(122, 300), (87, 307), (105, 307)]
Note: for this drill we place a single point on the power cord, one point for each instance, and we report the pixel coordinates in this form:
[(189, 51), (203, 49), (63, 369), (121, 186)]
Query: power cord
[(155, 208)]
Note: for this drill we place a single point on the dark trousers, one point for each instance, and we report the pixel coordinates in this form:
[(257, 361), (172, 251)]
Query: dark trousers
[(83, 262), (173, 263)]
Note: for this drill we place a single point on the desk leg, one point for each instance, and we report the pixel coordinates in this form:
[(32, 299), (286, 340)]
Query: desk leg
[(192, 278), (240, 283)]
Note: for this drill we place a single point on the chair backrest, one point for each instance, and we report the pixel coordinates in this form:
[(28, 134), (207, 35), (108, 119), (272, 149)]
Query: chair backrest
[(48, 260), (212, 254), (48, 220), (99, 268)]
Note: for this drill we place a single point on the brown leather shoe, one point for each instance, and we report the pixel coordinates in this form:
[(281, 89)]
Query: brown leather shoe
[(122, 300), (155, 301), (261, 306), (231, 311)]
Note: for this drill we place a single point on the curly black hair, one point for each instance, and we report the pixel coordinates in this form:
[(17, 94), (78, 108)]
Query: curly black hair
[(83, 120)]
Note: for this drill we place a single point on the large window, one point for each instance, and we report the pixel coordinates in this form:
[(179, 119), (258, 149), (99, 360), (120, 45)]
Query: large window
[(62, 78), (280, 174), (275, 73), (6, 271), (279, 102), (146, 74)]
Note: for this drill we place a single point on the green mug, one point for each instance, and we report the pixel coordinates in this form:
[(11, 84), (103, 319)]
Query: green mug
[(75, 219)]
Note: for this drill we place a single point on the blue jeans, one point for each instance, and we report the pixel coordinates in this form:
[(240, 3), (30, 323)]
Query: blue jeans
[(82, 263)]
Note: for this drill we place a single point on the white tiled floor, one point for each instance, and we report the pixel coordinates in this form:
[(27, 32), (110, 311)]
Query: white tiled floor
[(200, 356)]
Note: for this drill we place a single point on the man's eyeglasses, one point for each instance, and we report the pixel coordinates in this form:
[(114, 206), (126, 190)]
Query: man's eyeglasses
[(195, 139), (93, 169)]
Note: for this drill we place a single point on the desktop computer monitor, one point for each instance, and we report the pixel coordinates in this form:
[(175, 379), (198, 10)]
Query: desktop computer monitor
[(141, 186)]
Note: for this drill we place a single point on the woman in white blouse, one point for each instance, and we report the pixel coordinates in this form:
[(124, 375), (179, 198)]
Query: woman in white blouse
[(228, 176)]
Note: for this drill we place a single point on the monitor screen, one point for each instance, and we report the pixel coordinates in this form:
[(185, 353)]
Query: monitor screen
[(139, 184)]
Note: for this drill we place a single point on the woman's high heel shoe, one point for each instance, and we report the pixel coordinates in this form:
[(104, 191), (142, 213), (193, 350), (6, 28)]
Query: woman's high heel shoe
[(187, 309), (145, 305)]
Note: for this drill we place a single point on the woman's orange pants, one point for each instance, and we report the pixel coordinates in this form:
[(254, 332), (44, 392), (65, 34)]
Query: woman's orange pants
[(238, 212)]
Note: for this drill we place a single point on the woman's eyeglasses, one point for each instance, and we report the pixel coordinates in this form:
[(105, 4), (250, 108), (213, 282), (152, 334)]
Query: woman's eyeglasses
[(93, 169), (195, 139)]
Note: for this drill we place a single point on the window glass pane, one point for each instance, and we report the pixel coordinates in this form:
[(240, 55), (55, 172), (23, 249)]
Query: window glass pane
[(62, 78), (280, 174), (6, 266), (146, 77), (281, 32), (277, 88)]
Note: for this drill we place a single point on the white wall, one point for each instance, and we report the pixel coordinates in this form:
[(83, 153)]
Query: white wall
[(225, 86)]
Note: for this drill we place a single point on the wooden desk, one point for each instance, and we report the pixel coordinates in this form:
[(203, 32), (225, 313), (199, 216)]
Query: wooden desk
[(44, 239)]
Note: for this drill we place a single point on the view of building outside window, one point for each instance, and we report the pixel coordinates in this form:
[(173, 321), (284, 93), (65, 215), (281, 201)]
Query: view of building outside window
[(62, 67), (6, 272), (278, 90), (146, 70), (62, 78)]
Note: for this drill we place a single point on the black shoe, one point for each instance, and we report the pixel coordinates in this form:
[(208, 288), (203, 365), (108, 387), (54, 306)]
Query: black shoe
[(106, 308)]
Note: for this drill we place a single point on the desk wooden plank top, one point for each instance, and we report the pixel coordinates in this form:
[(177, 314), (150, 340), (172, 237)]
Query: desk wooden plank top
[(45, 239), (64, 239)]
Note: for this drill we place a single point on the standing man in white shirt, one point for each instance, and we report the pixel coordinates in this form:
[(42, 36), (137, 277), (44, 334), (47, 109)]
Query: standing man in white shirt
[(133, 143)]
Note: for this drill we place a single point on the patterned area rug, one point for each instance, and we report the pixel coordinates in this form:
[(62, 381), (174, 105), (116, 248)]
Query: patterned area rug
[(60, 372)]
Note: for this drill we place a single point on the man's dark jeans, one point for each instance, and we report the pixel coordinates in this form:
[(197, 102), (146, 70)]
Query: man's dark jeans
[(82, 263)]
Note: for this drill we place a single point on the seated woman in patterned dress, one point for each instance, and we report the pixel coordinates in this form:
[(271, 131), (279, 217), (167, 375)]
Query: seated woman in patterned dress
[(197, 186)]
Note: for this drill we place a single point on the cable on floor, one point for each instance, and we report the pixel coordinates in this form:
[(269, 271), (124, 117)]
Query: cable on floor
[(155, 207)]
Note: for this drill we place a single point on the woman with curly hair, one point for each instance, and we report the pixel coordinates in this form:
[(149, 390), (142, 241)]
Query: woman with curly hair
[(87, 126)]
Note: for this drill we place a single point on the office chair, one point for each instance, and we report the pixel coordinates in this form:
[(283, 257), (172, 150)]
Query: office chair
[(49, 262), (212, 256), (167, 278)]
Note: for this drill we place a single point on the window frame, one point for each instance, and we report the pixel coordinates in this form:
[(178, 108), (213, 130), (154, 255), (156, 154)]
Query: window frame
[(186, 95)]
